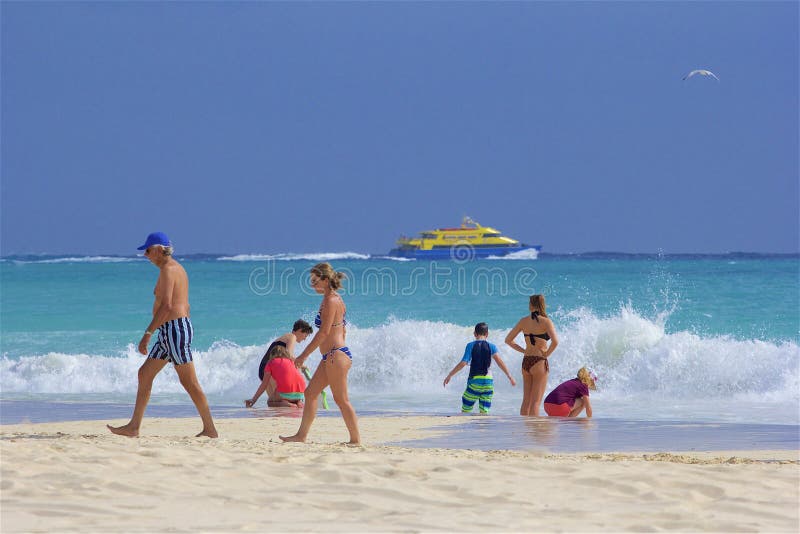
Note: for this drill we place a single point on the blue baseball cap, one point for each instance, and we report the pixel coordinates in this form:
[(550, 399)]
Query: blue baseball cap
[(156, 238)]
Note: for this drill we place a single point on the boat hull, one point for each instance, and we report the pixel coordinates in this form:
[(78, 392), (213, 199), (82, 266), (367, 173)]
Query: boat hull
[(458, 252)]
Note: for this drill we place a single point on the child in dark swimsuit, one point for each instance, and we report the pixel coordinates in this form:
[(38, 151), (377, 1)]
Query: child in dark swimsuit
[(480, 384)]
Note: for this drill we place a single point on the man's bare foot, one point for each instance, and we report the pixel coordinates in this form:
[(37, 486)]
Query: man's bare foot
[(124, 430), (292, 439), (351, 443), (208, 433)]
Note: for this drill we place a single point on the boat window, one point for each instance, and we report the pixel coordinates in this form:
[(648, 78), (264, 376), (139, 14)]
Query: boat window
[(492, 234), (428, 236)]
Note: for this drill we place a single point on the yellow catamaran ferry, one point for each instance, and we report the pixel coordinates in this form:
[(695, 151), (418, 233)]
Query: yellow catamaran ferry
[(470, 240)]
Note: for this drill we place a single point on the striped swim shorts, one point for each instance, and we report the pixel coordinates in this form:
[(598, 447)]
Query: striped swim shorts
[(479, 388), (174, 342)]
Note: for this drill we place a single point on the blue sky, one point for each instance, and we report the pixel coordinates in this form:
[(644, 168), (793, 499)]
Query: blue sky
[(309, 127)]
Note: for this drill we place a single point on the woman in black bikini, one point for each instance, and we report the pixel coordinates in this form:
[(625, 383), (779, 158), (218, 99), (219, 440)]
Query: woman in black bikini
[(537, 329)]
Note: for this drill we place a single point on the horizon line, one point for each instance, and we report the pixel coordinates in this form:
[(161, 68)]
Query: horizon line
[(383, 254)]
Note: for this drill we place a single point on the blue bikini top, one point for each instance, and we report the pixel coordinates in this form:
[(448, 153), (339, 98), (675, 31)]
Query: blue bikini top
[(318, 319)]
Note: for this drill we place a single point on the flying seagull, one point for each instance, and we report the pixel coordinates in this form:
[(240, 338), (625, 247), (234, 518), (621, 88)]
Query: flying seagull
[(701, 72)]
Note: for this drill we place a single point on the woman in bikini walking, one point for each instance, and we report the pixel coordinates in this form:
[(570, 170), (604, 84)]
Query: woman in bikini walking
[(537, 329), (336, 357)]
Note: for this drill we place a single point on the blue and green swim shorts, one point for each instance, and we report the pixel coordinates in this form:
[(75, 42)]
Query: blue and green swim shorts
[(479, 388)]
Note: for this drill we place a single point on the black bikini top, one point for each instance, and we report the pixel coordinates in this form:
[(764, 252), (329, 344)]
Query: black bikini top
[(545, 336)]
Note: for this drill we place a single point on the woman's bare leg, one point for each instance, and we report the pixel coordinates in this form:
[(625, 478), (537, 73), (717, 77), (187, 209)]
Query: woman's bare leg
[(315, 386), (527, 393), (338, 367), (539, 375)]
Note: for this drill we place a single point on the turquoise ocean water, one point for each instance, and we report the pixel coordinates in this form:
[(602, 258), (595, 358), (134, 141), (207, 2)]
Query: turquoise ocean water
[(687, 338)]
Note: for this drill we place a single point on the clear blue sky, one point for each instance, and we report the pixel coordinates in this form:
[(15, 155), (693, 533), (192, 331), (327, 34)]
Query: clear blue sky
[(308, 127)]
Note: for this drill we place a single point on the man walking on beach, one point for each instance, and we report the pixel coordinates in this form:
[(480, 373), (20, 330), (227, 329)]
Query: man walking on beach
[(171, 319)]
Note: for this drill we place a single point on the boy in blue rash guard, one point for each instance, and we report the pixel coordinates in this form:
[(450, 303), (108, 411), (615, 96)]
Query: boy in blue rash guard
[(480, 384)]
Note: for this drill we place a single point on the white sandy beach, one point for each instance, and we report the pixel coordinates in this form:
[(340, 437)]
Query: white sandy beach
[(76, 476)]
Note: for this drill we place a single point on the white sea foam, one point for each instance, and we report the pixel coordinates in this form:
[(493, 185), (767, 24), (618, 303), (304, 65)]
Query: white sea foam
[(527, 254), (393, 258), (81, 259), (400, 365), (314, 256)]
